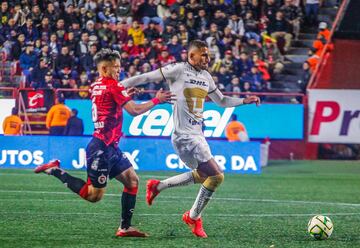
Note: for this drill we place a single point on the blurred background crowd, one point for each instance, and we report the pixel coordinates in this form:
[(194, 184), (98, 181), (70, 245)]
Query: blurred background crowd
[(53, 42)]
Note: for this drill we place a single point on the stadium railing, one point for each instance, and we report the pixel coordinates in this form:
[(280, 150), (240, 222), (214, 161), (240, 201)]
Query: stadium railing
[(325, 53), (13, 91), (280, 96)]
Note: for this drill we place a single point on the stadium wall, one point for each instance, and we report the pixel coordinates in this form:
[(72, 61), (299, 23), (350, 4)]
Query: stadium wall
[(342, 67)]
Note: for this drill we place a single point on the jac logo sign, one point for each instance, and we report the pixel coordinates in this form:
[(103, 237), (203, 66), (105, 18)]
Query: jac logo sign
[(334, 116), (35, 99)]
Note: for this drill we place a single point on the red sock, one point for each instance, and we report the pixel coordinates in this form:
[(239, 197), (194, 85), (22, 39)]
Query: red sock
[(84, 191), (131, 191)]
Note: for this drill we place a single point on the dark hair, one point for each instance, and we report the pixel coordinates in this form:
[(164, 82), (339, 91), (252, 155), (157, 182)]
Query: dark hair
[(106, 54), (61, 99), (14, 111), (75, 111), (197, 44)]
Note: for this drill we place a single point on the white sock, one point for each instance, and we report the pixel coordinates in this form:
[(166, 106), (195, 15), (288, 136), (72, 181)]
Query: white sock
[(200, 203), (176, 181)]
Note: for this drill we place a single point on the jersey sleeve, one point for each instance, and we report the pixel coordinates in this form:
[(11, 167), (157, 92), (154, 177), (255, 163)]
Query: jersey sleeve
[(119, 94), (212, 85), (172, 71)]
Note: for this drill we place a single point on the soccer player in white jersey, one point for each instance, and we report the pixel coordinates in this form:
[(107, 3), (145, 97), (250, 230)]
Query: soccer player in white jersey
[(191, 83)]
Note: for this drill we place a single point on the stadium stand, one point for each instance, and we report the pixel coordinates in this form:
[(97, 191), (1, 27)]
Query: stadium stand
[(259, 45)]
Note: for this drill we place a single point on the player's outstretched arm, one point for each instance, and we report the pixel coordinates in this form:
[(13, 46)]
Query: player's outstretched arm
[(162, 96), (145, 78), (227, 101)]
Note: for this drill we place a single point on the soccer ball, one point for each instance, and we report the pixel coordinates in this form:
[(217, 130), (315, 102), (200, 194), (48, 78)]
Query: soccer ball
[(320, 227)]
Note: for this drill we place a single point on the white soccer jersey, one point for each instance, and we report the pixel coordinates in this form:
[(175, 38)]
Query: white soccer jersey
[(191, 88)]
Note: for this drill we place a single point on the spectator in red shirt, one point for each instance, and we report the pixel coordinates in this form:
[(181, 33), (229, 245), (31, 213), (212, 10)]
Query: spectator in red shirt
[(132, 49), (165, 58)]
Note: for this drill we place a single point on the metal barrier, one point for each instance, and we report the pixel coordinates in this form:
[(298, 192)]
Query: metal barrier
[(14, 91), (325, 53)]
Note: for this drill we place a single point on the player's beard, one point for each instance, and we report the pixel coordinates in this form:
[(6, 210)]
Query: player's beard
[(204, 66)]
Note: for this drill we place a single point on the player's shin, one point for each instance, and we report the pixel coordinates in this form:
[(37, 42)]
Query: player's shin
[(206, 191), (75, 184), (128, 200), (176, 181)]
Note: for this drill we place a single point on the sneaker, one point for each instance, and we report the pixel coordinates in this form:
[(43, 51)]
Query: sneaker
[(151, 190), (46, 167), (131, 232), (195, 225)]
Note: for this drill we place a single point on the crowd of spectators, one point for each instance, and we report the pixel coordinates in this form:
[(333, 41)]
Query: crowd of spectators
[(55, 41)]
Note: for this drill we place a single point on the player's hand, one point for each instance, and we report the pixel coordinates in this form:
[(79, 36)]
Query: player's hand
[(165, 96), (252, 99), (133, 91)]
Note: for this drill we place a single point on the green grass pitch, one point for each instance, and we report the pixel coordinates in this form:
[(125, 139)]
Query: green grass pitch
[(267, 210)]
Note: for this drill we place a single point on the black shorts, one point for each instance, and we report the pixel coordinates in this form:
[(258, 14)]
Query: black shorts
[(104, 162)]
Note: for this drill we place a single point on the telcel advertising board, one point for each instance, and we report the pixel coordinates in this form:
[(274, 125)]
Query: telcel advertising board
[(276, 121)]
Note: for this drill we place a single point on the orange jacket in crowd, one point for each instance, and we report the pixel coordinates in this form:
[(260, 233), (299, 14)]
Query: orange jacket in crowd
[(12, 125), (233, 131), (57, 116), (326, 33), (319, 46), (313, 61)]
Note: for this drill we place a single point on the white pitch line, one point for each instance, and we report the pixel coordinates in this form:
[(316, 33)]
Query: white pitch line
[(192, 198), (178, 214)]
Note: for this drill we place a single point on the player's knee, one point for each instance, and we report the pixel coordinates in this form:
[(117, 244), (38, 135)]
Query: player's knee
[(197, 177), (95, 195), (134, 181), (94, 199), (212, 182)]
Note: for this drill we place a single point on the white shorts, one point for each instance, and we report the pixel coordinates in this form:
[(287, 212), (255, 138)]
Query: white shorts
[(192, 149)]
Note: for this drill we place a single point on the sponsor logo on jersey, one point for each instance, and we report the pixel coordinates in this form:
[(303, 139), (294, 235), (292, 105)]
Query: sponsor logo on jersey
[(99, 124), (95, 164), (96, 93), (99, 87), (196, 82)]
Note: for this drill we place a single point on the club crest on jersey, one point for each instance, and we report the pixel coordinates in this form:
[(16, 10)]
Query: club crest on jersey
[(102, 179)]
